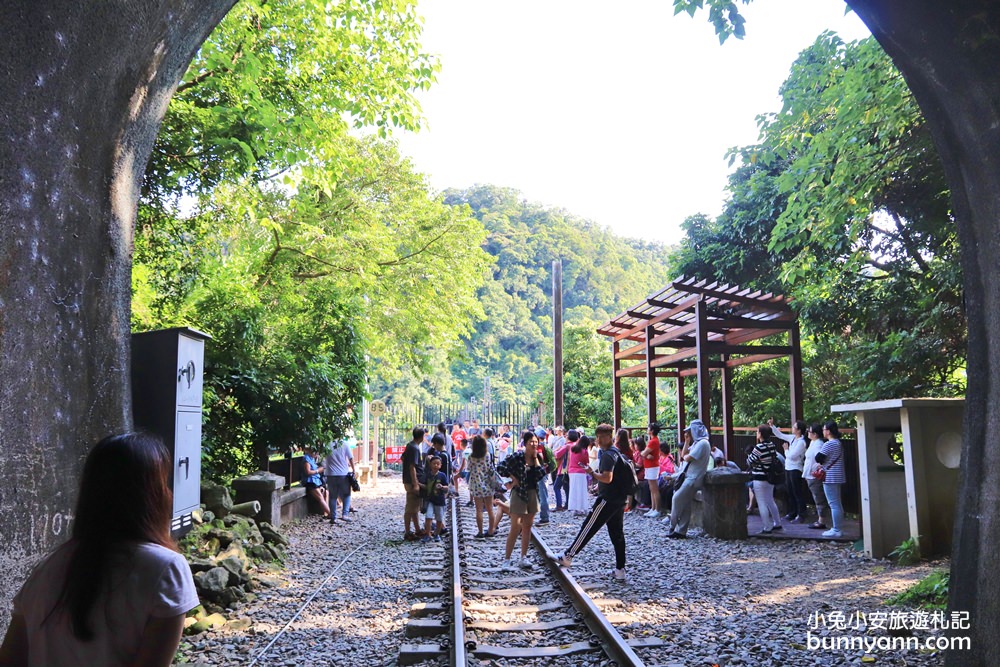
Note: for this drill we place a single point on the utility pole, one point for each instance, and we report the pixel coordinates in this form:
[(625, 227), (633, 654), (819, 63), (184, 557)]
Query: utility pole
[(557, 313)]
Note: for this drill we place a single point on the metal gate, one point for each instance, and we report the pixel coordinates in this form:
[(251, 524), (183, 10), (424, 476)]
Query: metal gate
[(392, 430)]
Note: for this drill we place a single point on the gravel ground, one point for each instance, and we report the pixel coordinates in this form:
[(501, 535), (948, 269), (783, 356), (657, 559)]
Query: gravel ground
[(710, 601)]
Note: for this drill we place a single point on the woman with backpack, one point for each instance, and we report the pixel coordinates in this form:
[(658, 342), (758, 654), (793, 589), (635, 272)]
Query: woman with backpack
[(766, 468)]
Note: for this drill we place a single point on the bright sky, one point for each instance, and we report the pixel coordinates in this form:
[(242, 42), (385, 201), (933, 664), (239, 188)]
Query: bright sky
[(618, 112)]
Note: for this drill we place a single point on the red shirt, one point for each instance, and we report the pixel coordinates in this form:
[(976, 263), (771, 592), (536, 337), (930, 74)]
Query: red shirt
[(651, 455)]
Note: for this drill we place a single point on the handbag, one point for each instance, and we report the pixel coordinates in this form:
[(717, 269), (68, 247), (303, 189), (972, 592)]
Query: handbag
[(820, 472), (679, 480), (355, 486)]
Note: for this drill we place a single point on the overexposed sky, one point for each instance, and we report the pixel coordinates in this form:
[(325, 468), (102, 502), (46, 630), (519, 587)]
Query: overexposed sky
[(621, 113)]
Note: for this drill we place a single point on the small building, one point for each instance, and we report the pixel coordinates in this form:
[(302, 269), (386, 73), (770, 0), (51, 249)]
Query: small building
[(909, 453)]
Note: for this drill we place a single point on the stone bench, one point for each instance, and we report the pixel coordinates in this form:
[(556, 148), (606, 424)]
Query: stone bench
[(277, 504)]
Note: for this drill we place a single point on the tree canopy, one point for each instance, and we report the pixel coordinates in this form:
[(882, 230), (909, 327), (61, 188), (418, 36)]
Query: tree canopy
[(844, 207)]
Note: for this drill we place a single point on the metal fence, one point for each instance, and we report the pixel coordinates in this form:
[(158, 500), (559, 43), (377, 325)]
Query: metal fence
[(395, 427)]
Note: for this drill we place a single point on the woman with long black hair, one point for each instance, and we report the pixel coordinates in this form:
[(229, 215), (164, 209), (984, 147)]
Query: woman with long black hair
[(116, 592)]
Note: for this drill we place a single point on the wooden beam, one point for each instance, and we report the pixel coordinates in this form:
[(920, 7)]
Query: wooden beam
[(762, 302), (662, 317), (633, 352), (722, 348), (704, 376), (728, 436), (795, 373), (616, 386), (681, 416), (752, 359), (727, 323)]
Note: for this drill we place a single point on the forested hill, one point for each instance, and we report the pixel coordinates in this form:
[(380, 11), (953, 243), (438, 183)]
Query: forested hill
[(602, 275)]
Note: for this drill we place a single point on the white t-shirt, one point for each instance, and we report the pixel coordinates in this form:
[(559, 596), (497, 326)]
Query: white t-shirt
[(148, 581), (337, 462)]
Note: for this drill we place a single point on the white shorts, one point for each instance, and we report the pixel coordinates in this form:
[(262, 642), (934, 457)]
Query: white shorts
[(652, 474)]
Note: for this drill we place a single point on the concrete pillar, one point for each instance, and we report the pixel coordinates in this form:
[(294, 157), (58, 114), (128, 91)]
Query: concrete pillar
[(265, 488)]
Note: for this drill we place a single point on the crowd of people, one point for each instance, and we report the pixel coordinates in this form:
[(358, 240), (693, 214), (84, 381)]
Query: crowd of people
[(603, 476)]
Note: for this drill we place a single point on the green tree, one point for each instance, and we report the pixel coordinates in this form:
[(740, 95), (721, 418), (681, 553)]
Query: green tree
[(843, 206)]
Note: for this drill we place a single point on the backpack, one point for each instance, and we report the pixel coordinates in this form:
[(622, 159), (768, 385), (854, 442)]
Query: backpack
[(776, 470), (624, 482)]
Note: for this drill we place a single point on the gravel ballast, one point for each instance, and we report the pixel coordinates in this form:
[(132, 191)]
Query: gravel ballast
[(710, 601)]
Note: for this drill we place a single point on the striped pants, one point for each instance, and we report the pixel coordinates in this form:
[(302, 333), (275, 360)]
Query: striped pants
[(603, 512)]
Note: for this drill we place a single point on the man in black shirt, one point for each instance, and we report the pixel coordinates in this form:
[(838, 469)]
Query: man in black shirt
[(413, 473), (614, 479)]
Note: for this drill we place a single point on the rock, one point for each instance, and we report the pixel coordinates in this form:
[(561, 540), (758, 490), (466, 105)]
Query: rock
[(198, 516), (200, 564), (211, 546), (231, 596), (216, 499), (236, 570), (268, 581), (212, 581), (207, 516), (239, 624), (198, 627), (272, 536), (260, 552), (234, 550), (215, 621), (224, 537)]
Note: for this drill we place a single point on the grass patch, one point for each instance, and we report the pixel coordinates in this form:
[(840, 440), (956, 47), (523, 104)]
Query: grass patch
[(931, 592)]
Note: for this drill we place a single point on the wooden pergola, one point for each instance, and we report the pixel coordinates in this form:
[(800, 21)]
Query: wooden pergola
[(693, 327)]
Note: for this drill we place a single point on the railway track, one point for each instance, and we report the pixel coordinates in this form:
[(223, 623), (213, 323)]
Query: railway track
[(541, 616)]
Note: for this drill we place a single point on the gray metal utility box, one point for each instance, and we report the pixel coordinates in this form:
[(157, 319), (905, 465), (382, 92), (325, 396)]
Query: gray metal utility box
[(167, 375)]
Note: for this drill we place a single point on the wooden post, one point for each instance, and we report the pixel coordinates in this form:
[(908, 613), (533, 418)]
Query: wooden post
[(557, 331), (650, 377), (704, 372), (616, 385), (681, 417), (728, 436), (795, 373)]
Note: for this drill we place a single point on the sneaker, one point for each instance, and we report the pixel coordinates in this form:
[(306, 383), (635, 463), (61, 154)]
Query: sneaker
[(563, 560), (652, 514), (407, 537), (833, 532), (618, 574), (789, 517), (508, 565), (347, 519), (797, 520), (665, 520), (471, 503), (643, 508), (766, 531), (479, 535), (543, 522), (437, 538), (778, 527), (525, 564), (425, 539), (674, 535), (819, 525)]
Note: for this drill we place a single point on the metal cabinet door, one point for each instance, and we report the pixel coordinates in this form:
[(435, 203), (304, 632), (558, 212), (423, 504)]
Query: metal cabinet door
[(187, 462), (190, 364)]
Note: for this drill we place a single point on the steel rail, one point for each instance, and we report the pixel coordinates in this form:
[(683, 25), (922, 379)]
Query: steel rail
[(459, 657), (611, 641)]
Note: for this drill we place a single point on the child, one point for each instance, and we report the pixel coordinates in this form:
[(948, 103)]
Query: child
[(437, 490)]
